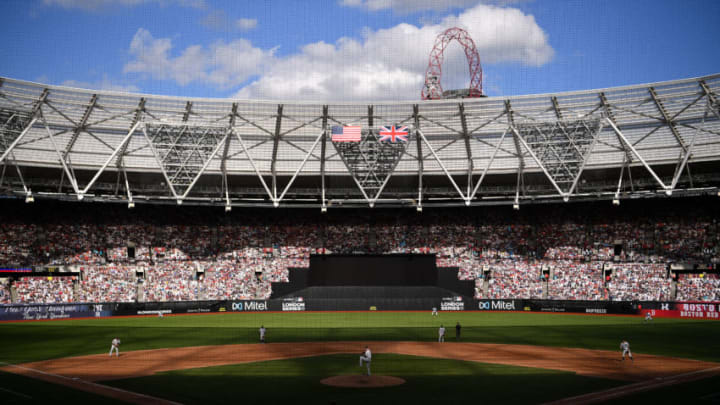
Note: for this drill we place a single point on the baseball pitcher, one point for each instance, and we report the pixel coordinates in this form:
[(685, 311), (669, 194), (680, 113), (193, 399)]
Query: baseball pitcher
[(367, 358)]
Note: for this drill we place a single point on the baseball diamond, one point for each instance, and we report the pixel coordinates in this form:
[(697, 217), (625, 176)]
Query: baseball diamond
[(287, 202)]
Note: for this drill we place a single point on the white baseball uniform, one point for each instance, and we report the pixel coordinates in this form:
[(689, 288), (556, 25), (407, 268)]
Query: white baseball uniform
[(434, 311), (625, 346), (114, 346), (648, 316), (367, 358), (441, 334), (262, 334)]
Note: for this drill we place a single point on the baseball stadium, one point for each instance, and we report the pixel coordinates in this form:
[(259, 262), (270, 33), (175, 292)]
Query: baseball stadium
[(463, 245)]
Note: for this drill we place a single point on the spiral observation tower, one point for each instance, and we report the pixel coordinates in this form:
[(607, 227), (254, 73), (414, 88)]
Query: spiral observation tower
[(648, 140)]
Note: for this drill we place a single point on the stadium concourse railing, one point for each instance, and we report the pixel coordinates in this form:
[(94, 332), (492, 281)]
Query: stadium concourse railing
[(693, 310)]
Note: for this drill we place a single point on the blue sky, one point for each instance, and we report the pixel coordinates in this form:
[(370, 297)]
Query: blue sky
[(352, 49)]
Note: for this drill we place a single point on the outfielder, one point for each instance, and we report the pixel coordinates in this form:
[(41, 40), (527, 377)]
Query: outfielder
[(434, 311), (648, 316), (114, 346), (625, 346), (367, 358), (262, 334), (441, 334)]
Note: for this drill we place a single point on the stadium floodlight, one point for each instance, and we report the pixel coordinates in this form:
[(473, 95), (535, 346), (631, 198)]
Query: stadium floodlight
[(228, 208), (29, 198), (179, 202), (323, 209), (419, 208), (616, 202), (131, 204), (516, 206), (80, 197)]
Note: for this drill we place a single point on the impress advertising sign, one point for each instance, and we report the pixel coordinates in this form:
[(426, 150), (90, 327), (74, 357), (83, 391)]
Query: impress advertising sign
[(249, 306), (497, 305)]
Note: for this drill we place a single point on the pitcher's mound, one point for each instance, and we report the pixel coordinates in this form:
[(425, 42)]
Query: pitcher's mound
[(362, 381)]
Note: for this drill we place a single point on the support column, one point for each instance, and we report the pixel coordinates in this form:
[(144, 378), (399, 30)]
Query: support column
[(416, 118), (521, 167), (323, 153), (276, 140), (223, 164), (466, 137), (120, 162)]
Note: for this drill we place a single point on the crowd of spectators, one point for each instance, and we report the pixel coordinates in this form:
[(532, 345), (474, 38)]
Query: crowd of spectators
[(571, 280), (52, 290), (107, 283), (171, 281), (183, 255), (515, 279), (5, 296), (698, 287), (639, 282)]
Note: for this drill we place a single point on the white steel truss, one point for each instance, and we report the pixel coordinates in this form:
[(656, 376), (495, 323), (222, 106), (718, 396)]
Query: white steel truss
[(263, 153), (561, 148)]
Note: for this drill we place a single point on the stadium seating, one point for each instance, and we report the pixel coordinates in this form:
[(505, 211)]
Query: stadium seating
[(191, 253)]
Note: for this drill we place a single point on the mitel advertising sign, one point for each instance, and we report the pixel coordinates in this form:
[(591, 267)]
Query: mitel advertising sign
[(249, 306), (497, 305)]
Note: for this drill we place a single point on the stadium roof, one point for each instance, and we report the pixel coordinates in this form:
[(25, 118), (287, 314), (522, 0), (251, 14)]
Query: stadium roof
[(70, 143)]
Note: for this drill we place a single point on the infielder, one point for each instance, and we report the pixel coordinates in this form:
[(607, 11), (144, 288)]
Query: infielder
[(441, 334), (625, 346), (262, 334), (367, 358), (114, 346), (434, 311)]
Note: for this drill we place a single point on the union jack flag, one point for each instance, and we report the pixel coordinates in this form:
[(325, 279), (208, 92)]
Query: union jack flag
[(393, 134)]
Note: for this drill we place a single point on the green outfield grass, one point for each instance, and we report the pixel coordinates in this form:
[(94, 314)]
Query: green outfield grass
[(16, 389), (428, 381), (30, 341)]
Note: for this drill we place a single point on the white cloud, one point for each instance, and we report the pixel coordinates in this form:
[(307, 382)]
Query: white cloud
[(246, 24), (386, 64), (223, 64), (390, 63), (410, 6), (96, 5), (103, 84), (218, 20)]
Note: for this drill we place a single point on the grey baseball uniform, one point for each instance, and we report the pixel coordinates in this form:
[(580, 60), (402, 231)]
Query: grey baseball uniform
[(367, 358)]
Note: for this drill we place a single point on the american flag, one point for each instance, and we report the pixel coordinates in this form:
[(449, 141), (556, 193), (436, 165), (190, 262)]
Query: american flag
[(346, 134), (392, 133)]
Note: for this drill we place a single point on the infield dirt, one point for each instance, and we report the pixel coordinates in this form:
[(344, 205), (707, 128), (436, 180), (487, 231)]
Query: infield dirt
[(595, 363)]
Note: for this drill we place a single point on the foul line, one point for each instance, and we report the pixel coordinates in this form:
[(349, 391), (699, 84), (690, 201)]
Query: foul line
[(16, 393), (100, 387), (602, 396)]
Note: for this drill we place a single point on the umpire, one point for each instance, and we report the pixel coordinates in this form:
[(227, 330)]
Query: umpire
[(457, 331)]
